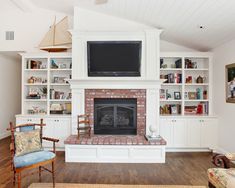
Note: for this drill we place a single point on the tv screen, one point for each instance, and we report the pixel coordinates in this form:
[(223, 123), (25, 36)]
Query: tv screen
[(114, 58)]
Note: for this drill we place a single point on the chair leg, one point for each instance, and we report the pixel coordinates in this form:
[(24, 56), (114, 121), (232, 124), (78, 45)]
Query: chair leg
[(210, 185), (53, 173), (19, 180), (14, 177), (40, 173)]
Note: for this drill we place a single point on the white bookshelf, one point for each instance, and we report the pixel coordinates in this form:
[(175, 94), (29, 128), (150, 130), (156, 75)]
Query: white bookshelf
[(181, 71), (49, 74)]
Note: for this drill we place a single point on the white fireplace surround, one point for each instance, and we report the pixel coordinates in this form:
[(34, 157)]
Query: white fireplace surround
[(149, 80), (152, 87)]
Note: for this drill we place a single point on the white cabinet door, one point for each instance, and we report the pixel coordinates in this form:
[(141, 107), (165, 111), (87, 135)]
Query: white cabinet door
[(179, 133), (194, 133), (49, 131), (59, 128), (166, 131), (209, 133), (63, 130), (24, 120)]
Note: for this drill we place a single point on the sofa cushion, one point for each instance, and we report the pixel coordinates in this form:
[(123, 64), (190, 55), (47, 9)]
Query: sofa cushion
[(222, 178), (32, 158), (27, 142)]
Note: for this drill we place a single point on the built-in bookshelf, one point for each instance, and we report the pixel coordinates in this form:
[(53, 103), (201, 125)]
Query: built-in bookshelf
[(45, 89), (187, 88)]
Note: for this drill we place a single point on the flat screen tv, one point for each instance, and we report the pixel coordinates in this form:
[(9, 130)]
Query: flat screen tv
[(114, 58)]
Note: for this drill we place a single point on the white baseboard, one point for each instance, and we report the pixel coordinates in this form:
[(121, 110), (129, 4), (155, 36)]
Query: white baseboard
[(4, 135), (188, 150)]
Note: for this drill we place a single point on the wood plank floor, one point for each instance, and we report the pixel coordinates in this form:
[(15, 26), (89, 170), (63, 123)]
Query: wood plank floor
[(179, 169)]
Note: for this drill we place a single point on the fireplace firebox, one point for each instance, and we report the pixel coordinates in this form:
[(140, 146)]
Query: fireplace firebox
[(115, 116)]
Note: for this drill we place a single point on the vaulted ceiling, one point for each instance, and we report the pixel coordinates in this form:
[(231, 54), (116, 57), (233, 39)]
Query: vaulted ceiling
[(180, 19)]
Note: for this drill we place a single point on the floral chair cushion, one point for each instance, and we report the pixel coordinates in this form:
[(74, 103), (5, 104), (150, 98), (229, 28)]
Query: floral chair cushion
[(27, 142), (222, 178)]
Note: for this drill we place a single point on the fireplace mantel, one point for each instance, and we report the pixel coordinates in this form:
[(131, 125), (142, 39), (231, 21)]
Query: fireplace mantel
[(115, 83)]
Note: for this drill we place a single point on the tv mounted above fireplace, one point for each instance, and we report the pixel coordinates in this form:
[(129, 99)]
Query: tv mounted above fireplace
[(114, 58)]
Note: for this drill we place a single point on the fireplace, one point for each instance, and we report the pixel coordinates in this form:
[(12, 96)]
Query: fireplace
[(115, 116)]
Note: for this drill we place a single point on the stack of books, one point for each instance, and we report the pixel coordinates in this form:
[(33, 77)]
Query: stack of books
[(172, 78)]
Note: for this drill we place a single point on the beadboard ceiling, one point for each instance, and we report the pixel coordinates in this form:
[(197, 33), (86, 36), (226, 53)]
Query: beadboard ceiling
[(180, 19)]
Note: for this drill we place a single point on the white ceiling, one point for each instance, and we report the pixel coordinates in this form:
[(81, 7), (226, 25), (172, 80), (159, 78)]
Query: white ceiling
[(180, 19)]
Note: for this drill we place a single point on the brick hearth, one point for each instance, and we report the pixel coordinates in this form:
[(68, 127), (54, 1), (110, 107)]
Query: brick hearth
[(112, 140), (139, 94)]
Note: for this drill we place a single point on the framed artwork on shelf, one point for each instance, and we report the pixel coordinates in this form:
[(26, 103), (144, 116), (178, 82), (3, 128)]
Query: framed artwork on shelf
[(192, 95), (230, 83), (174, 109), (177, 95)]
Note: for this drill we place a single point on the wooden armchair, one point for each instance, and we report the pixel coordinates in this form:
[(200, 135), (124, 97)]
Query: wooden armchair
[(223, 176), (29, 136)]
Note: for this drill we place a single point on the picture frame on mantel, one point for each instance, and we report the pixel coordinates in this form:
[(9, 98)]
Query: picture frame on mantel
[(230, 83)]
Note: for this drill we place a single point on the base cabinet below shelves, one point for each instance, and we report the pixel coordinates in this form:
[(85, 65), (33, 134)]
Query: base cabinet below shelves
[(179, 133), (194, 133), (174, 132), (209, 132), (166, 131), (189, 133), (56, 127)]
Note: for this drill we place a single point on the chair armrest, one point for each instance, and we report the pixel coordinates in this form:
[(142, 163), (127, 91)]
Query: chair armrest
[(50, 139), (220, 160), (230, 156), (12, 148)]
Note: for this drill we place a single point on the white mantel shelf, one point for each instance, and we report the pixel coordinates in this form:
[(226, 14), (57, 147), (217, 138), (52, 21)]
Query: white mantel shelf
[(115, 83)]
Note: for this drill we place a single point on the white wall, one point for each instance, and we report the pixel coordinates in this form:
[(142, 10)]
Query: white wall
[(29, 26), (166, 46), (95, 21), (224, 55), (10, 90)]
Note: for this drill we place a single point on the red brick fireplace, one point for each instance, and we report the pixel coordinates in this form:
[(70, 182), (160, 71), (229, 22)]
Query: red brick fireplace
[(139, 94)]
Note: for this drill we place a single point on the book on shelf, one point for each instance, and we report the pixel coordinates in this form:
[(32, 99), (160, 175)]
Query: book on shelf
[(163, 94), (172, 78), (170, 109), (33, 97), (201, 108)]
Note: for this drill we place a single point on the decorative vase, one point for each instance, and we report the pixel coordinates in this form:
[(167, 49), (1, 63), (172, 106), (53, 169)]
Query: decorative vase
[(153, 130)]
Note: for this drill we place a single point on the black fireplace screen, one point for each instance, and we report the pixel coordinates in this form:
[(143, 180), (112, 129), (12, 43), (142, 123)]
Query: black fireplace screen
[(115, 116)]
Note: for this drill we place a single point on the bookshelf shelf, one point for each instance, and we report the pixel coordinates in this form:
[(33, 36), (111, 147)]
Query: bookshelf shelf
[(170, 69), (36, 84), (61, 69), (36, 70)]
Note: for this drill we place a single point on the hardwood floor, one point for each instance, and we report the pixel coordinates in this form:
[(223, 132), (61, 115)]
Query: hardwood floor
[(179, 169)]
